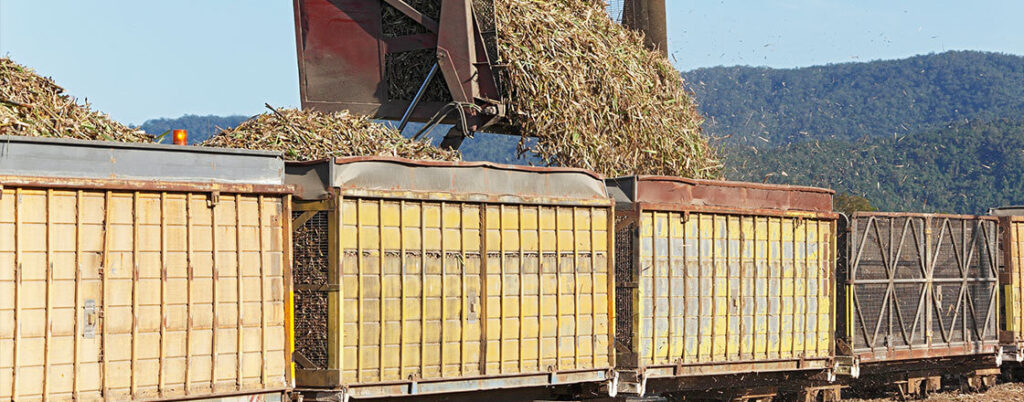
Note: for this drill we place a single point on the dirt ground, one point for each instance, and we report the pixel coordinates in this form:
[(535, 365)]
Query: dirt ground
[(1002, 392)]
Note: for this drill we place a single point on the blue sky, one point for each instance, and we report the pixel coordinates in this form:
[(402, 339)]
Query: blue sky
[(138, 60)]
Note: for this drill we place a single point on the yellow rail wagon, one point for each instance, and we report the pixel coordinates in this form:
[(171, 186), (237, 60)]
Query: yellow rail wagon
[(717, 281), (436, 277), (142, 272), (1011, 283)]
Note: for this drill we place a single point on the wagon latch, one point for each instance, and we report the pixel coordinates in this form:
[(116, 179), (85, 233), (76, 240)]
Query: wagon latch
[(89, 318), (414, 383)]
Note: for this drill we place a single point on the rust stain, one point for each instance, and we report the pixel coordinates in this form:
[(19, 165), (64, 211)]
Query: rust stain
[(735, 196)]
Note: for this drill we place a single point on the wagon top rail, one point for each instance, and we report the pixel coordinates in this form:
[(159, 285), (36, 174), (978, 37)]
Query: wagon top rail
[(677, 192), (84, 160), (881, 214), (392, 177), (1016, 211)]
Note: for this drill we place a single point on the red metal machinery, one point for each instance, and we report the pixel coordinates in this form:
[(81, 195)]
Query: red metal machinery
[(382, 57)]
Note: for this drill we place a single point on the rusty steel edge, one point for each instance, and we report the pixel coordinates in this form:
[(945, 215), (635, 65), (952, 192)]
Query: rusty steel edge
[(425, 163), (740, 362), (770, 212), (605, 370), (151, 146), (400, 178), (925, 215), (724, 196), (738, 184), (142, 185), (986, 348), (209, 396), (471, 198), (102, 160)]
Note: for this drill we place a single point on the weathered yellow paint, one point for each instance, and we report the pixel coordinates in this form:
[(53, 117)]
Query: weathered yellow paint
[(727, 288), (482, 289), (146, 264), (1014, 292), (1008, 311)]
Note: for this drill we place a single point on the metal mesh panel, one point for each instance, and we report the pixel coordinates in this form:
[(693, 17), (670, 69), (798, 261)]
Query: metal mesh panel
[(947, 315), (394, 23), (909, 240), (310, 246), (872, 258), (406, 72), (893, 265), (948, 237), (981, 298), (908, 299), (624, 250), (869, 305), (484, 12), (980, 265), (965, 248)]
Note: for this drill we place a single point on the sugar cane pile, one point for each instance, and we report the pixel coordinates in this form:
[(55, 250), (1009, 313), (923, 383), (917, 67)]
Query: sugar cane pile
[(309, 135), (32, 105), (594, 96)]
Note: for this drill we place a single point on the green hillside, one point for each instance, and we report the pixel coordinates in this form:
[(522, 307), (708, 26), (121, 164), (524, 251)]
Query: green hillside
[(851, 100), (962, 168)]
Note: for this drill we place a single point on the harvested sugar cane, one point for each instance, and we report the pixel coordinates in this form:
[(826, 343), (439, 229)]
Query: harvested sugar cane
[(594, 96), (32, 105), (311, 135)]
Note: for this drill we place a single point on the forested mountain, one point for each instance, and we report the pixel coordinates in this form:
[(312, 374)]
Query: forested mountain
[(852, 100), (960, 168), (199, 127)]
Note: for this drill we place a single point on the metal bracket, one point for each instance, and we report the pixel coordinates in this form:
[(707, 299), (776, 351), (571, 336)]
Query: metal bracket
[(303, 361), (453, 138), (553, 378), (302, 219), (613, 384), (846, 365), (414, 387), (344, 395), (89, 320), (214, 198)]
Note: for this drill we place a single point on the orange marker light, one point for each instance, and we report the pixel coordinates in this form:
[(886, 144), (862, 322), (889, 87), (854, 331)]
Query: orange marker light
[(180, 137)]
